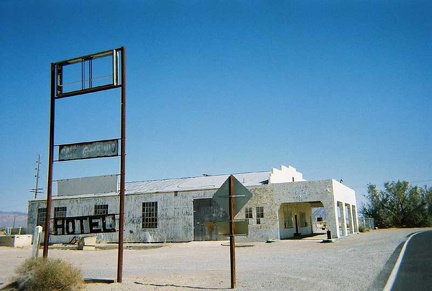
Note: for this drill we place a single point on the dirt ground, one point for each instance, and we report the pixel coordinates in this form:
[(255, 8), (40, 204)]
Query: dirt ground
[(358, 262)]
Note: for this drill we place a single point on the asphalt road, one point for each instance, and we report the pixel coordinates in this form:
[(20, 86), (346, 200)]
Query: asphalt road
[(415, 271)]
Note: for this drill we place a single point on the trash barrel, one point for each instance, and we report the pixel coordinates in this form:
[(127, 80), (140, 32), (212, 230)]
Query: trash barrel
[(329, 235)]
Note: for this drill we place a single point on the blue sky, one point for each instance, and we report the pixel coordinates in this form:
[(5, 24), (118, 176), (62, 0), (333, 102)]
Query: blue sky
[(337, 90)]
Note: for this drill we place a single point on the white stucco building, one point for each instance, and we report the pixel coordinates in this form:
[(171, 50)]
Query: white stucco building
[(178, 210)]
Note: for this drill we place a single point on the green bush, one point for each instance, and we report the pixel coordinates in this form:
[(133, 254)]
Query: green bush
[(399, 205), (50, 274)]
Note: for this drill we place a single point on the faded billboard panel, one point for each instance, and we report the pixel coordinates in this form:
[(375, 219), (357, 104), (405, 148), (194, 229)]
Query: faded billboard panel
[(88, 150), (87, 185)]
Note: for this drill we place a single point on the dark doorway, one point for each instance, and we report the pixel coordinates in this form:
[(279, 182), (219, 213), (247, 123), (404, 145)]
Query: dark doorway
[(207, 214), (296, 226)]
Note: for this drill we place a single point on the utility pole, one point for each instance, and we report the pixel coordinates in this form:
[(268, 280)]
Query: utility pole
[(37, 190)]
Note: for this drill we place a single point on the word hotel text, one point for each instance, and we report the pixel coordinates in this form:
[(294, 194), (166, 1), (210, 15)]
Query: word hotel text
[(84, 224)]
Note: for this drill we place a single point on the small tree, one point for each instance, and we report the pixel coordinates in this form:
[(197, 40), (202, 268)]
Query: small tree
[(399, 205)]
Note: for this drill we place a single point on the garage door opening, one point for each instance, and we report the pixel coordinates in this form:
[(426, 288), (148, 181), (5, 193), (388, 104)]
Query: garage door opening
[(207, 213)]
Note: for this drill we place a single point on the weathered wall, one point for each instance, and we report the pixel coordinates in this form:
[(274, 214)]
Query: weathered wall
[(81, 206), (175, 211), (268, 226), (175, 216), (329, 192), (305, 191)]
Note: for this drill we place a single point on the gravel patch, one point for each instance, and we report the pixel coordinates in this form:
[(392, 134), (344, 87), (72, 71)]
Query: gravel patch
[(358, 262)]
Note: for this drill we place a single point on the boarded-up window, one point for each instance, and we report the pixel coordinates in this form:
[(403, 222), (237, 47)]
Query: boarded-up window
[(288, 219), (41, 216), (101, 209), (149, 214), (248, 212), (259, 214), (303, 222)]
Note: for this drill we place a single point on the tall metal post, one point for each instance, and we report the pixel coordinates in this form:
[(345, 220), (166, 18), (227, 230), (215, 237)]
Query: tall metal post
[(50, 163), (122, 166), (232, 231)]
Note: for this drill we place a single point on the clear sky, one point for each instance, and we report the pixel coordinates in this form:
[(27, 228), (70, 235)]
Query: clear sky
[(336, 89)]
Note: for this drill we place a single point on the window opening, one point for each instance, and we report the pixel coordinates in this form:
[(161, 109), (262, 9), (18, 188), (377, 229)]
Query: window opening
[(303, 222), (259, 214), (60, 212), (288, 219), (248, 212), (101, 209), (149, 215), (41, 217)]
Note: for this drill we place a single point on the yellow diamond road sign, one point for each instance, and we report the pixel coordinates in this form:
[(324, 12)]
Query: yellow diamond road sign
[(241, 196)]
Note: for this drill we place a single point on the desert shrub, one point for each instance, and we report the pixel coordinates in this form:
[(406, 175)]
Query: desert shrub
[(399, 205), (50, 274), (363, 228)]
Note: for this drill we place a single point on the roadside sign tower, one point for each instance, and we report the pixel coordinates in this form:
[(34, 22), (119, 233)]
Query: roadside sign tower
[(83, 68)]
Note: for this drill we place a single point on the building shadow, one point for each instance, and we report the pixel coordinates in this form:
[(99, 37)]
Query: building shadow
[(313, 236)]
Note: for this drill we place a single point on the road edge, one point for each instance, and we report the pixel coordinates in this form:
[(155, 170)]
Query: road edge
[(393, 274)]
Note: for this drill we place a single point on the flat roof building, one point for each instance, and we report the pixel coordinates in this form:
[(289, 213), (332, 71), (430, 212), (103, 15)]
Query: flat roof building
[(178, 210)]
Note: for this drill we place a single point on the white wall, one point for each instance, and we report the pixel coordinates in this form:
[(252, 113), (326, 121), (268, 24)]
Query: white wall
[(285, 175), (329, 192), (175, 210)]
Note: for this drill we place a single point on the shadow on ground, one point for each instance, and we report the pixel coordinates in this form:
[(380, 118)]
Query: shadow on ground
[(179, 286)]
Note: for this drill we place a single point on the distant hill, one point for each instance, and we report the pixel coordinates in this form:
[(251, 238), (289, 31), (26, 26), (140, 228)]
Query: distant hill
[(7, 219)]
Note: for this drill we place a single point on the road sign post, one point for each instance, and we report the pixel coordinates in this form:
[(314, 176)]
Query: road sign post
[(232, 231), (238, 196)]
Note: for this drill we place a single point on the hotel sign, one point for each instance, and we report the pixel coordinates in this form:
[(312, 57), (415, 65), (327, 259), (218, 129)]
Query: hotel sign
[(88, 150), (84, 224)]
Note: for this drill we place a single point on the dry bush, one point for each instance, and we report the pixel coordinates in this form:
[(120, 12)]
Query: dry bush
[(363, 228), (50, 274)]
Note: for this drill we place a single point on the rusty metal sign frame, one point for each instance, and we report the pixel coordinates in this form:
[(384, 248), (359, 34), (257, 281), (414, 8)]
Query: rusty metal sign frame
[(86, 81), (88, 150), (117, 80)]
